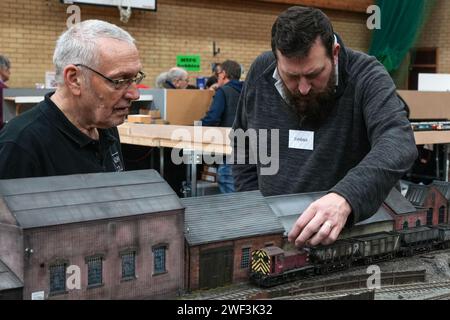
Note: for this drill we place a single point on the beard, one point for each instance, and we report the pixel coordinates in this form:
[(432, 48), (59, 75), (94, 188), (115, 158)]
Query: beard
[(316, 106)]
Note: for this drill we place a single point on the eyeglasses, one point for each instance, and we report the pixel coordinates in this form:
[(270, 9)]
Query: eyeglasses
[(118, 84)]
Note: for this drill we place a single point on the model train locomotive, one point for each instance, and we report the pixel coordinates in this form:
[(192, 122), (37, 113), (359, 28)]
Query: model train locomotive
[(272, 265)]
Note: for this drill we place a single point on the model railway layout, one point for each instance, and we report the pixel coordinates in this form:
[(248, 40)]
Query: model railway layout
[(430, 125)]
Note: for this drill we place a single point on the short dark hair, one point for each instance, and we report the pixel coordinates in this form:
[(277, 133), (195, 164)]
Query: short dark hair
[(296, 29), (232, 69)]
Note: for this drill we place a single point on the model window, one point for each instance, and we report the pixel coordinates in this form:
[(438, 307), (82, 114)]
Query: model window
[(441, 214), (129, 264), (245, 258), (58, 278), (405, 225), (95, 271), (430, 216), (159, 259)]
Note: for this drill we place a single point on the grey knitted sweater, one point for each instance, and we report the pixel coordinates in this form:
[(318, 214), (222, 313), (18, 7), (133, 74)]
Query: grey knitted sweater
[(360, 151)]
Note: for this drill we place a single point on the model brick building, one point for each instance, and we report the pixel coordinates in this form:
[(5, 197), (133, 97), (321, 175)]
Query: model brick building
[(122, 233), (221, 232), (430, 200)]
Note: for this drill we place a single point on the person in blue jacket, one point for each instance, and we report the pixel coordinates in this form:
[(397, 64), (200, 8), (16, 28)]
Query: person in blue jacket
[(223, 111)]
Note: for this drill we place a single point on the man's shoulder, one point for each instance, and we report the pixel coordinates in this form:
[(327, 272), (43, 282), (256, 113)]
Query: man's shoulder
[(263, 66), (361, 65), (24, 127)]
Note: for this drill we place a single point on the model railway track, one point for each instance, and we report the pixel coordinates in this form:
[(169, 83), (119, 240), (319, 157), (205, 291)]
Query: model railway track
[(331, 288), (445, 296), (349, 283), (428, 291)]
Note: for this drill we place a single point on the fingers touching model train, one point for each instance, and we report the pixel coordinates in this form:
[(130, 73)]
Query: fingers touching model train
[(321, 222)]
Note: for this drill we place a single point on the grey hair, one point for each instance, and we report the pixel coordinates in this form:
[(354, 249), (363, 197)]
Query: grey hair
[(161, 80), (176, 73), (78, 44), (4, 62)]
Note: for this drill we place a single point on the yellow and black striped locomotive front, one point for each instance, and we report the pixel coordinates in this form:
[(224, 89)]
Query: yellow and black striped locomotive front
[(260, 263)]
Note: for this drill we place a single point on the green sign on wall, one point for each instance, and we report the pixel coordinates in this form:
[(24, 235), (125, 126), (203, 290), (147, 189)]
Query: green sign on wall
[(190, 63)]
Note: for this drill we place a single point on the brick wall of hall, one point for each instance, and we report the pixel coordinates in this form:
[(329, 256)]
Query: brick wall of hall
[(436, 33), (29, 29)]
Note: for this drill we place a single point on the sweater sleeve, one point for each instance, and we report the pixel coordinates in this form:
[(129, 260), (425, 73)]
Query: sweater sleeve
[(244, 173), (393, 149)]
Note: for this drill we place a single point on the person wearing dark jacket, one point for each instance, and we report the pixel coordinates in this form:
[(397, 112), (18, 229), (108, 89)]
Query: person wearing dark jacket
[(5, 71), (223, 111), (341, 126)]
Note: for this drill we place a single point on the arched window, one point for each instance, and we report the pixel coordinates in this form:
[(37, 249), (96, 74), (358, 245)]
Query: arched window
[(418, 223), (430, 216), (405, 225), (441, 214)]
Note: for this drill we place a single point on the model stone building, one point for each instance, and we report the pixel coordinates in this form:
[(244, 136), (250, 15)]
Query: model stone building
[(123, 233)]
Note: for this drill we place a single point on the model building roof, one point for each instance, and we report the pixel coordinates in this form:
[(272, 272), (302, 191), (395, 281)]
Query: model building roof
[(398, 203), (8, 279), (443, 187), (228, 216), (289, 207), (417, 194), (47, 201)]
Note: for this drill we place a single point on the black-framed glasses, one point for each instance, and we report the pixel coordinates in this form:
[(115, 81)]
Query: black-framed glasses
[(118, 83)]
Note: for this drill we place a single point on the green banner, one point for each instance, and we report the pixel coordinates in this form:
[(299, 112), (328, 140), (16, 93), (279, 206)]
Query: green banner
[(190, 63)]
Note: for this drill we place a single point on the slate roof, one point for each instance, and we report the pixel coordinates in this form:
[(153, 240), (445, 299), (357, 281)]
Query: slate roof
[(289, 207), (47, 201), (398, 203), (417, 194), (228, 216), (8, 279), (443, 187)]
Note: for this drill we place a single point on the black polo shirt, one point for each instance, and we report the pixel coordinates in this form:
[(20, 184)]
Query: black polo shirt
[(43, 142)]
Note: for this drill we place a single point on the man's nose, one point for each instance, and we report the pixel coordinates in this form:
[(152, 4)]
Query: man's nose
[(304, 86), (132, 92)]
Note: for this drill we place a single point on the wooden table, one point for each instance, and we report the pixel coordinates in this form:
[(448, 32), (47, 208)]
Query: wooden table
[(194, 141)]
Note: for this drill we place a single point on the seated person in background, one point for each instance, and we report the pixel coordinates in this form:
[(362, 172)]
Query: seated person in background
[(5, 69), (223, 111), (211, 83), (73, 131), (177, 78), (161, 81), (216, 71)]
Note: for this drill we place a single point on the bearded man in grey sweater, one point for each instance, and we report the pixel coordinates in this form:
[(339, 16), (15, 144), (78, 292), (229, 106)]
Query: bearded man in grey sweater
[(340, 126)]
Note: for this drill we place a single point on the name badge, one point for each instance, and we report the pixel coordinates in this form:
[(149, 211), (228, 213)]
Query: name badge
[(303, 140)]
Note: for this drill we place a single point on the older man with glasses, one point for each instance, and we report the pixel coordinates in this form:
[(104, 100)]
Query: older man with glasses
[(74, 129)]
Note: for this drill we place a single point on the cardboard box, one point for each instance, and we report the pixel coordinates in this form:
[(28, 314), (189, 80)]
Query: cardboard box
[(209, 169), (209, 178), (140, 118), (146, 119), (155, 114), (427, 105)]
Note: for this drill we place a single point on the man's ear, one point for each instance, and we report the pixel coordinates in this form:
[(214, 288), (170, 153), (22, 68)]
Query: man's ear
[(336, 50), (72, 79)]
